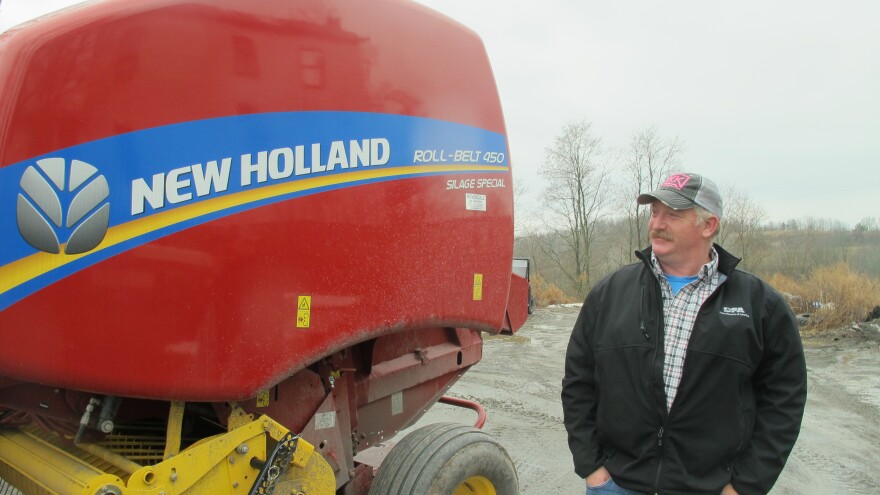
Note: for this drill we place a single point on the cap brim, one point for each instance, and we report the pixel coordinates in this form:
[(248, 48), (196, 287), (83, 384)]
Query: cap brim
[(671, 199)]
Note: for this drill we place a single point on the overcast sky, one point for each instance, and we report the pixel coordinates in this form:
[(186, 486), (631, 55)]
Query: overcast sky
[(780, 99)]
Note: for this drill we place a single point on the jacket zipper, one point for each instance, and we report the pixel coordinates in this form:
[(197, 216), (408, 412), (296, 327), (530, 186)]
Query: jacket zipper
[(656, 352), (642, 315), (660, 463)]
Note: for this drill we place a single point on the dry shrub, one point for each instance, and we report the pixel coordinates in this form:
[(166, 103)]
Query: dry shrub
[(793, 291), (844, 296), (788, 286), (835, 295), (547, 293)]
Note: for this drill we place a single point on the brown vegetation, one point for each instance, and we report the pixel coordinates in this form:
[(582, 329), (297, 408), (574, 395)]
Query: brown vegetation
[(547, 293), (834, 296)]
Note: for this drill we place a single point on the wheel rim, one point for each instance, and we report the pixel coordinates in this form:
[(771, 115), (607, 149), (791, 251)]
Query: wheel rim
[(475, 485)]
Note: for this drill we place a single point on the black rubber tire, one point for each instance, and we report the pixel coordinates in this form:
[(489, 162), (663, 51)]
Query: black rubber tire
[(436, 459)]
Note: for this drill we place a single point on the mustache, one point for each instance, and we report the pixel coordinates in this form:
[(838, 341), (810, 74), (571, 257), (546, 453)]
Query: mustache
[(659, 234)]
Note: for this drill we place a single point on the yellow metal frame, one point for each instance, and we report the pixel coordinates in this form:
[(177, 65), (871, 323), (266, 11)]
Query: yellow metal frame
[(216, 465), (37, 466)]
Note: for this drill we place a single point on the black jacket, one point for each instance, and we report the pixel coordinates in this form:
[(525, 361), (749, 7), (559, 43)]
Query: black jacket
[(738, 409)]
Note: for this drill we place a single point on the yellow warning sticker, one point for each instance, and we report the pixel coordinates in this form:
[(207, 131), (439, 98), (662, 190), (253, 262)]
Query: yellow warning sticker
[(303, 311), (263, 399), (478, 287)]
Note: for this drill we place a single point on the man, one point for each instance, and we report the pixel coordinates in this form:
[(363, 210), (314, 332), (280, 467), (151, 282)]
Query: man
[(683, 375)]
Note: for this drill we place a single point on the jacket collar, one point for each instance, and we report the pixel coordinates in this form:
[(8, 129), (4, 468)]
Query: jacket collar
[(726, 261)]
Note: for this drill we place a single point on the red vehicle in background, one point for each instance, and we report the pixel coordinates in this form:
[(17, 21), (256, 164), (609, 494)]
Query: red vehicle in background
[(244, 244)]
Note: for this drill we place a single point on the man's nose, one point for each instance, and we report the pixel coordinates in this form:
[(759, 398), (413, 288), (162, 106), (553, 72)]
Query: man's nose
[(657, 220)]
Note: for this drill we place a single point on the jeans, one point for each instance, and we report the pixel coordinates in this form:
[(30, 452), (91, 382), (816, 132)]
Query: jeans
[(610, 488)]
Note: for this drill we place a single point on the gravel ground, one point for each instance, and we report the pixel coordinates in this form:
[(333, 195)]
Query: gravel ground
[(519, 382)]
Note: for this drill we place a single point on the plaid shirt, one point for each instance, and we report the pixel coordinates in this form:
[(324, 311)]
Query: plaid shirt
[(679, 314)]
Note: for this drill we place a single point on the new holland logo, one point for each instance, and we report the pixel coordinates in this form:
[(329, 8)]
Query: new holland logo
[(60, 204)]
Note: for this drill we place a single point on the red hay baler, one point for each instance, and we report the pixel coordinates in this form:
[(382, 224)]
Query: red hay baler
[(246, 243)]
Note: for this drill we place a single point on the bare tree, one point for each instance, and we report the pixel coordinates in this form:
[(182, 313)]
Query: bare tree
[(577, 172), (741, 228), (649, 159), (521, 209), (868, 224)]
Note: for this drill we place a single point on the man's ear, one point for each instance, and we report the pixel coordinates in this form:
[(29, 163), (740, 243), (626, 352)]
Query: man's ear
[(711, 227)]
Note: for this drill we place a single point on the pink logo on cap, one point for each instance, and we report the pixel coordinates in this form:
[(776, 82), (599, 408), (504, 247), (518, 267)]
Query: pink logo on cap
[(677, 181)]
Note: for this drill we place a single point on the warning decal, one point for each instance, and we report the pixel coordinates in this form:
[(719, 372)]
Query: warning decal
[(475, 202), (478, 287), (303, 311)]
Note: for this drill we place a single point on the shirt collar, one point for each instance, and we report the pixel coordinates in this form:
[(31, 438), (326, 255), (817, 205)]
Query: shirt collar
[(706, 272)]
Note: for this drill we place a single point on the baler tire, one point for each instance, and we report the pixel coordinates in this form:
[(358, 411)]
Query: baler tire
[(447, 459)]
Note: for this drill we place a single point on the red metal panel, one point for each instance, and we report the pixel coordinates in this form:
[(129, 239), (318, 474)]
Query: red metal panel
[(210, 312), (517, 304), (117, 66)]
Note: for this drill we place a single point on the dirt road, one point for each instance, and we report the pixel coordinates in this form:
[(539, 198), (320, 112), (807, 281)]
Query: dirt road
[(519, 381)]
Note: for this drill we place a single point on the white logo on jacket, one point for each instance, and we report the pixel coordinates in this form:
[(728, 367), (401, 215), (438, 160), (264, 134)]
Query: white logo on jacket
[(734, 311)]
